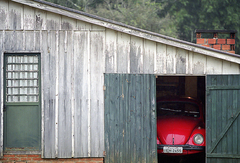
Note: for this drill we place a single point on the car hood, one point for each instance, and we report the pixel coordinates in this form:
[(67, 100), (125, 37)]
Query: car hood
[(175, 130)]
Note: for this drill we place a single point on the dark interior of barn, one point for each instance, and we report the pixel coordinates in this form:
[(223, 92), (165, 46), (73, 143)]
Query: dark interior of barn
[(178, 86)]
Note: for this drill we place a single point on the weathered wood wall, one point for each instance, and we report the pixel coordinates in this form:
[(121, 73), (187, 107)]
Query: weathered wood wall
[(75, 55), (222, 118), (130, 118)]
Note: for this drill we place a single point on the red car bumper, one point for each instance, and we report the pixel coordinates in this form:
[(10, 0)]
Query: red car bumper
[(186, 149)]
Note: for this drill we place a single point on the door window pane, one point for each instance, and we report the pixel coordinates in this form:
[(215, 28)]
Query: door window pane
[(22, 78)]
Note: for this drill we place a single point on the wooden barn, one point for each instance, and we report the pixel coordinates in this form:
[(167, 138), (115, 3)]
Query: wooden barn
[(75, 87)]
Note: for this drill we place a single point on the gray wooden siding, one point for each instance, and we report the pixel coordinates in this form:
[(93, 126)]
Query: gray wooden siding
[(130, 118), (73, 100), (74, 55), (124, 53), (72, 88), (222, 117), (129, 54)]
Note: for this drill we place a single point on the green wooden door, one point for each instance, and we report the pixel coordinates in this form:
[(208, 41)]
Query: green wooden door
[(22, 113), (222, 118), (130, 118)]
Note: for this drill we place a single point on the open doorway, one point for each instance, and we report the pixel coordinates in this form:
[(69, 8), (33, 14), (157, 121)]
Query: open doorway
[(177, 147)]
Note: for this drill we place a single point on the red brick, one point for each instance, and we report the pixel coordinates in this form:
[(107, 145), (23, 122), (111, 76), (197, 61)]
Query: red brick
[(211, 41), (39, 156), (218, 47), (225, 47), (97, 159), (207, 45), (21, 155), (25, 159), (4, 158), (230, 41), (14, 159), (231, 52), (8, 155), (221, 41), (35, 158), (200, 41)]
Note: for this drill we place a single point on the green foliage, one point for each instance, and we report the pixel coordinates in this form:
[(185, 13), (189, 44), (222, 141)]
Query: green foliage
[(204, 14)]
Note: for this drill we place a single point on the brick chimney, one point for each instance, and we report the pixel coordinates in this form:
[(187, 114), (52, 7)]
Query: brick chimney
[(216, 41)]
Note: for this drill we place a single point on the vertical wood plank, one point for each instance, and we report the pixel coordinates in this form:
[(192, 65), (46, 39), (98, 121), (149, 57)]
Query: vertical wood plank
[(29, 40), (80, 75), (132, 107), (64, 105), (68, 23), (189, 67), (15, 16), (223, 92), (37, 40), (235, 81), (130, 119), (83, 25), (146, 119), (96, 91), (230, 68), (107, 107), (41, 19), (4, 14), (123, 53), (14, 41), (160, 59), (111, 51), (181, 61), (148, 56), (49, 91), (213, 66), (198, 64), (122, 126), (28, 18), (171, 60), (219, 109), (53, 21), (136, 55)]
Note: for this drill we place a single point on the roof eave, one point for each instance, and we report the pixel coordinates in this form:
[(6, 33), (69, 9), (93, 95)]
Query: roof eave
[(76, 14)]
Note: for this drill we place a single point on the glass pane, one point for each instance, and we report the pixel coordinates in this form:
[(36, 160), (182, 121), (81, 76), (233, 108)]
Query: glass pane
[(22, 79)]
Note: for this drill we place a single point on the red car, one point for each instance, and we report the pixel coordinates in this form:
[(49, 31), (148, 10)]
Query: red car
[(180, 126)]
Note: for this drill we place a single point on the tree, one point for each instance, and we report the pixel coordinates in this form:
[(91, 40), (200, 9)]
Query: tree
[(204, 14)]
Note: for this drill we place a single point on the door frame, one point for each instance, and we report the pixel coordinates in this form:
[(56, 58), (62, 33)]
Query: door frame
[(4, 56)]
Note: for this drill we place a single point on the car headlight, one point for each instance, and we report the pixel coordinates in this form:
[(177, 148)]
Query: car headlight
[(198, 139)]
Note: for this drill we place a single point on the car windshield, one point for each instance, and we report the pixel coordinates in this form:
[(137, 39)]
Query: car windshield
[(178, 108)]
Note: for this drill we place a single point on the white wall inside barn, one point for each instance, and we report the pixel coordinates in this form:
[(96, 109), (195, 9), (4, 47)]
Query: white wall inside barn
[(74, 56)]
